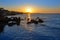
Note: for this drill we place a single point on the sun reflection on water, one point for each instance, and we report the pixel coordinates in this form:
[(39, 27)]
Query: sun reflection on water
[(28, 27), (29, 16)]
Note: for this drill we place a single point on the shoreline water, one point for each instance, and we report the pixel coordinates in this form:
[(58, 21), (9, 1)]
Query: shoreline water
[(49, 31)]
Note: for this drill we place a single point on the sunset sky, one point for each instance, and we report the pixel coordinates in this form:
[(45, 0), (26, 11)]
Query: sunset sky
[(37, 6)]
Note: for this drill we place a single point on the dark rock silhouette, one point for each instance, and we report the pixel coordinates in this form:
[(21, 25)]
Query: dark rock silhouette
[(33, 21), (2, 27), (14, 20), (38, 20), (18, 20)]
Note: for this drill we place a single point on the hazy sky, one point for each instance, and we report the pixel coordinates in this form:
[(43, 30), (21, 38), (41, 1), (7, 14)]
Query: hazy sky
[(37, 5)]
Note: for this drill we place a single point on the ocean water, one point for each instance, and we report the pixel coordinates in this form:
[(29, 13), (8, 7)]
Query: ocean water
[(49, 30)]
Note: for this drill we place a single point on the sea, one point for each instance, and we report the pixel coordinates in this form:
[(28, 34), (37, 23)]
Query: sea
[(49, 30)]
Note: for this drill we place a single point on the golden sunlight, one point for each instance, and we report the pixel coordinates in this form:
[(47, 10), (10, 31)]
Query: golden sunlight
[(28, 9)]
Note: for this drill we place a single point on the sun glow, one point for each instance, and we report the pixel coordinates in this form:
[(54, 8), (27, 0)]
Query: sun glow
[(28, 9)]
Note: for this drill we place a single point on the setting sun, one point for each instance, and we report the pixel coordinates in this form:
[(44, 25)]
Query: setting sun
[(28, 9)]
